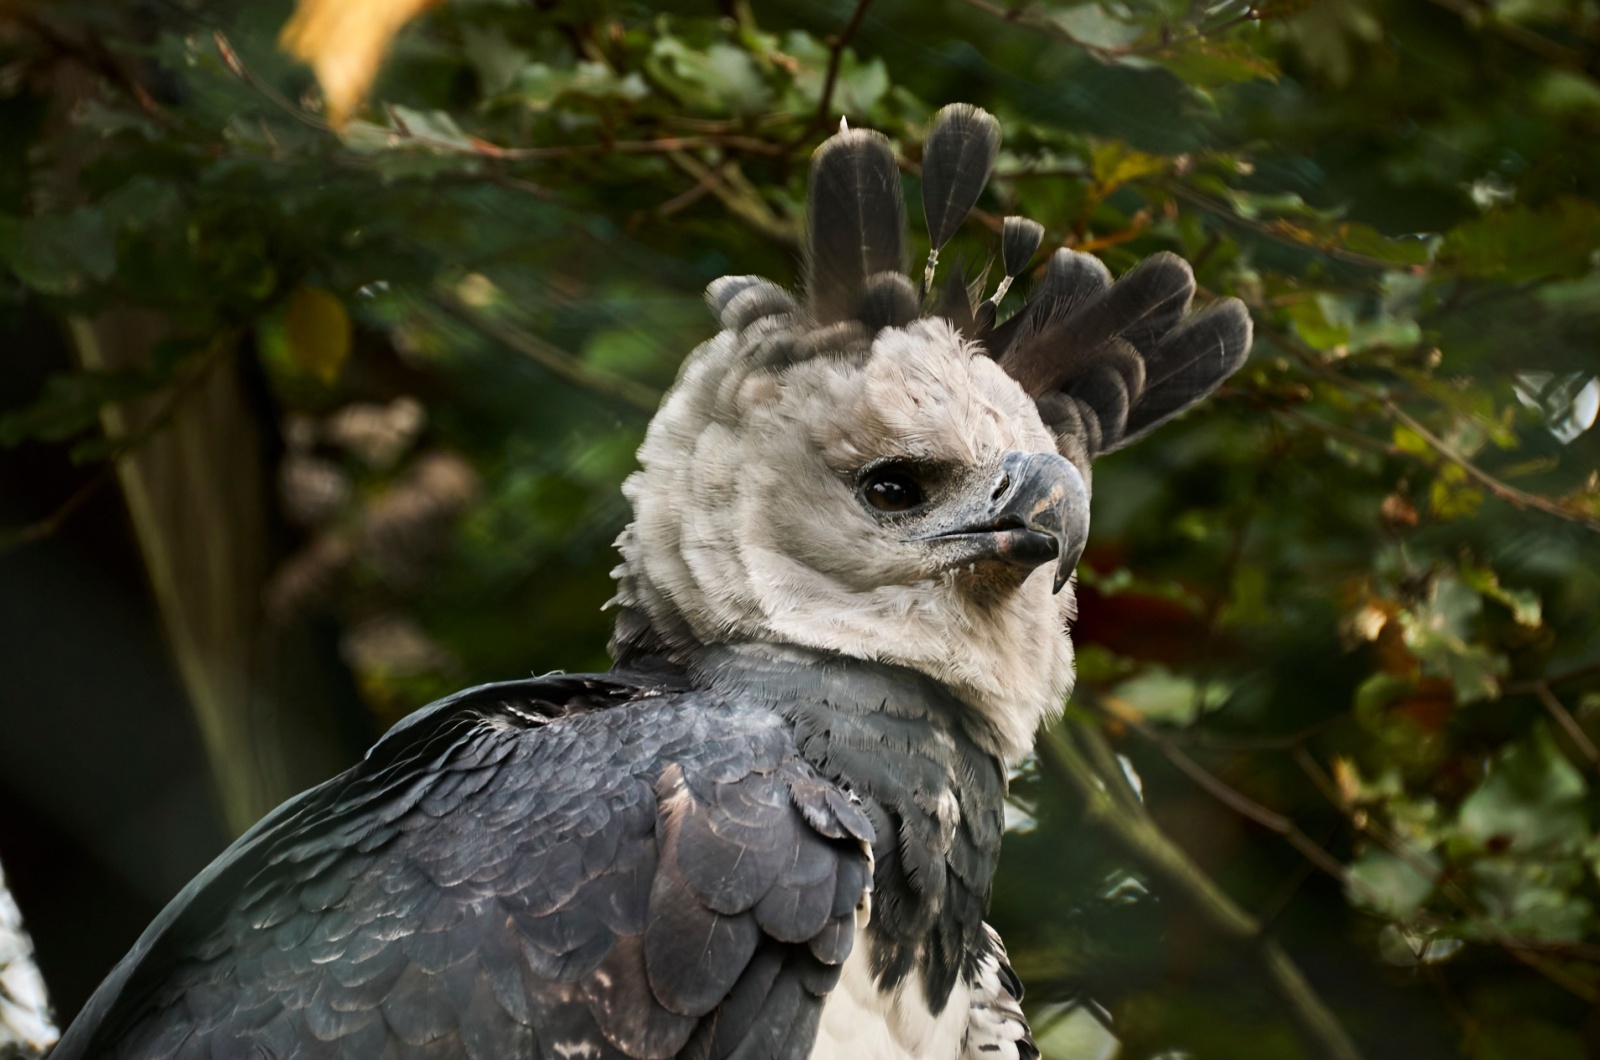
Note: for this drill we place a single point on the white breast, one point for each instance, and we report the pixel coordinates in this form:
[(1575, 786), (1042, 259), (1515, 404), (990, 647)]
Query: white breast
[(861, 1022)]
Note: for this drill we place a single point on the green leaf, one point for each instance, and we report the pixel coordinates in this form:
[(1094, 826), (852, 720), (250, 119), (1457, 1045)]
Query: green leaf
[(1209, 62), (1314, 326), (1451, 494), (1437, 635), (59, 253), (859, 87), (1533, 798), (722, 79), (1532, 900), (541, 86), (1519, 243), (68, 405), (1392, 885), (1523, 604), (1095, 25), (1159, 695)]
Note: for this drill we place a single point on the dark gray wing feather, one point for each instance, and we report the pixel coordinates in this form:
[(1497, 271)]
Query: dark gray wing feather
[(588, 866)]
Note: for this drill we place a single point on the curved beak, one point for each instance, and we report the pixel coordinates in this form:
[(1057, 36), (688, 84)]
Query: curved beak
[(1037, 510)]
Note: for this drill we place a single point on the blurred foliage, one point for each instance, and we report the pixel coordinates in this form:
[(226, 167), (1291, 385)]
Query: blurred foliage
[(1340, 626)]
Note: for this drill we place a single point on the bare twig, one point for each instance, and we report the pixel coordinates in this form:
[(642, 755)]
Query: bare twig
[(1020, 16), (1581, 673), (478, 148), (741, 198), (1568, 723), (1364, 823), (836, 47), (1266, 228), (1239, 802), (551, 357), (702, 187), (1129, 824), (40, 529), (1479, 14), (236, 66), (1503, 490)]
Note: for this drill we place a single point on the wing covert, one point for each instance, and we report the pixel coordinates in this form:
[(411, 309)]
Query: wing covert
[(637, 874)]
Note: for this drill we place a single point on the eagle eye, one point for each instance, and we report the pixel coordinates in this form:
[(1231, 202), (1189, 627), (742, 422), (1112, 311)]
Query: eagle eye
[(891, 489)]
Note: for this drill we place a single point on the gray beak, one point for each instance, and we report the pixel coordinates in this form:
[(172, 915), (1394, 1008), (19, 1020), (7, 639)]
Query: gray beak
[(1037, 510)]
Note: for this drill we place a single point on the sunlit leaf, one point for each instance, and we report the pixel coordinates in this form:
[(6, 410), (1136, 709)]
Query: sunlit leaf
[(343, 41), (1523, 603), (318, 331), (1115, 164)]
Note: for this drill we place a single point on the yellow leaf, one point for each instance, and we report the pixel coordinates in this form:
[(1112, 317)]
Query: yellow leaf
[(343, 41), (318, 330), (1115, 164)]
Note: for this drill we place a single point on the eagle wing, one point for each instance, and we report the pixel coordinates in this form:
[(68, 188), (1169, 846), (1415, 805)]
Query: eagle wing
[(569, 867)]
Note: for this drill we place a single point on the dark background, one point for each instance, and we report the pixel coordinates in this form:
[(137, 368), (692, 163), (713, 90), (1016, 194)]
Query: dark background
[(305, 426)]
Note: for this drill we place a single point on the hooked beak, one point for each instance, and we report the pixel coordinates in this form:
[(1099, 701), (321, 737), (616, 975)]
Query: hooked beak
[(1037, 510)]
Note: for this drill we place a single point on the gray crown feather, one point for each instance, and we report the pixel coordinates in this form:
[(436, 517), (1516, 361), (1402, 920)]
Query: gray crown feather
[(1106, 361)]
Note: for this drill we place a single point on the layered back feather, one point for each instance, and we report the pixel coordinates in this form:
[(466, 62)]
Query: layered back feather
[(1105, 360)]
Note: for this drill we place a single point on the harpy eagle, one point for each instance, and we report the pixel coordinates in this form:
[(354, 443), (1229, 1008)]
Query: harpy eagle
[(769, 831)]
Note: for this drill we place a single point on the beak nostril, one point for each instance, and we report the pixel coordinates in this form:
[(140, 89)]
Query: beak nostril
[(1001, 487)]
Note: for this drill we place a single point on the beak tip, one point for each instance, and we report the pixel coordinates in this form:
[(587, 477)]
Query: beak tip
[(1065, 568)]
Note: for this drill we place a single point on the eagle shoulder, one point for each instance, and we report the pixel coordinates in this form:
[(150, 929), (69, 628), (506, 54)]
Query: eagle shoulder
[(584, 866)]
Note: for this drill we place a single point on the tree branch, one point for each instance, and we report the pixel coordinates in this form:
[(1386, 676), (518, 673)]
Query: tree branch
[(836, 47), (739, 197), (1131, 827), (550, 357), (1568, 723), (1519, 949), (1019, 16), (1504, 491)]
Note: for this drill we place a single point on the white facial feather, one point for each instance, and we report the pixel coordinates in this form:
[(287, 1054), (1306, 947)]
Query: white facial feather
[(747, 526)]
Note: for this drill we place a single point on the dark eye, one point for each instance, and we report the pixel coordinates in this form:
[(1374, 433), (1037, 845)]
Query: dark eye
[(891, 490)]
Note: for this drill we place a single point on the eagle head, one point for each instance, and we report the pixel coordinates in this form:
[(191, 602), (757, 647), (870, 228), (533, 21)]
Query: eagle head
[(870, 470)]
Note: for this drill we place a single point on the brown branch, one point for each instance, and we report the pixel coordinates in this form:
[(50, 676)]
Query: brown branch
[(479, 148), (1510, 494), (1504, 491), (1108, 806), (739, 197), (1485, 15), (1339, 433), (1241, 803), (1364, 823), (1019, 16), (236, 66), (836, 47), (40, 529), (1568, 723), (1264, 228), (551, 357), (702, 187)]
